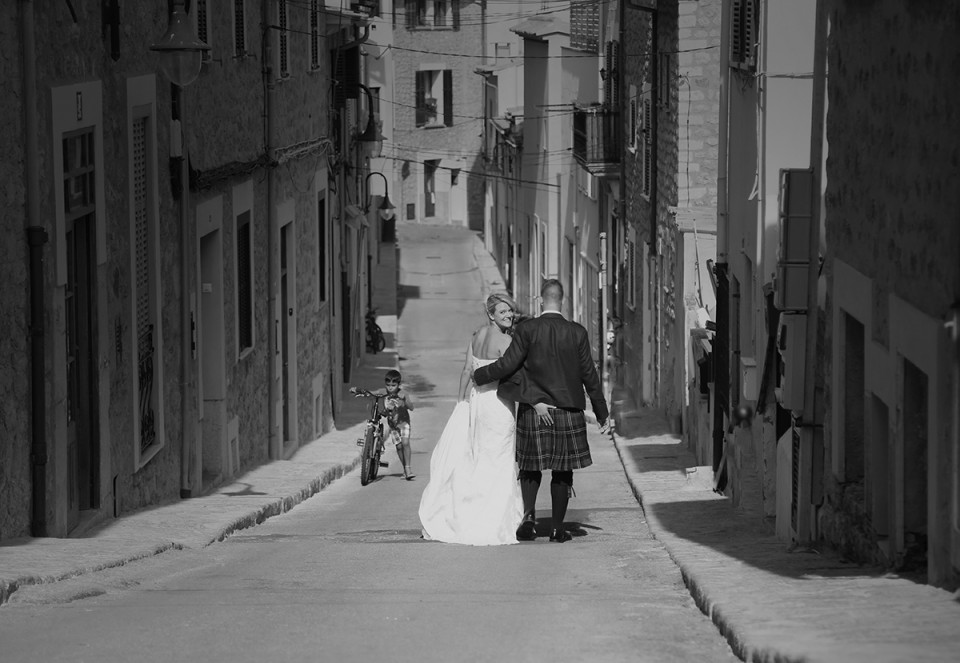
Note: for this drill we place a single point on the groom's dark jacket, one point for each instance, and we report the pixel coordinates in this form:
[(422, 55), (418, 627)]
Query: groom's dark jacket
[(548, 361)]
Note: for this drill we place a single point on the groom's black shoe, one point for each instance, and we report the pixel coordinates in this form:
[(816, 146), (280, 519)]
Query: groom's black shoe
[(560, 535), (527, 530)]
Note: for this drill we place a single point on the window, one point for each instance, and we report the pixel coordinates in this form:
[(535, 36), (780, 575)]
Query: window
[(645, 143), (743, 34), (244, 283), (434, 102), (283, 41), (201, 15), (611, 83), (430, 187), (633, 121), (543, 252), (436, 14), (502, 49), (239, 29), (630, 271), (145, 335), (314, 35)]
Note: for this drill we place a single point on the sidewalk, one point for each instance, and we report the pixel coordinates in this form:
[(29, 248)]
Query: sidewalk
[(247, 500), (771, 603)]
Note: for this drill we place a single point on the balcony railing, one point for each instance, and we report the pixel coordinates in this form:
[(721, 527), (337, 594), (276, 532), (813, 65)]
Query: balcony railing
[(596, 138)]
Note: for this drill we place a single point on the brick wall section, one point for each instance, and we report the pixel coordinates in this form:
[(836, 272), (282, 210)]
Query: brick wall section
[(698, 101), (14, 293), (687, 136), (894, 159), (891, 200), (411, 143)]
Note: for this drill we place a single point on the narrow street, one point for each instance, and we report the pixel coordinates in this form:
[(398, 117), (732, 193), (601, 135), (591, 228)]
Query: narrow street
[(345, 575)]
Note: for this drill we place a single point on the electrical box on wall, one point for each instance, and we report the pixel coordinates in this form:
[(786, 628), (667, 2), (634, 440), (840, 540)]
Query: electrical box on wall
[(792, 347), (748, 378), (793, 255)]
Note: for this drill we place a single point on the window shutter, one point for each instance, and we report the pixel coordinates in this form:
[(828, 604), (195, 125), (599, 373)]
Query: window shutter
[(749, 38), (314, 34), (455, 5), (448, 97), (647, 145), (411, 14), (743, 25), (283, 56), (421, 100), (239, 29), (611, 86), (736, 31)]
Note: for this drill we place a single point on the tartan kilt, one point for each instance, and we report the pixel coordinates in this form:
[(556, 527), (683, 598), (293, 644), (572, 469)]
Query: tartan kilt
[(562, 446)]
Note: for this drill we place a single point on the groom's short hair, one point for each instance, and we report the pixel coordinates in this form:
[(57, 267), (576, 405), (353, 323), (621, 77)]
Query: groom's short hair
[(552, 289)]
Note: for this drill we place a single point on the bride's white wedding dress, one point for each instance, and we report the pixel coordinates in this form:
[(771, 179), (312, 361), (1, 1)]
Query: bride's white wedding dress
[(473, 496)]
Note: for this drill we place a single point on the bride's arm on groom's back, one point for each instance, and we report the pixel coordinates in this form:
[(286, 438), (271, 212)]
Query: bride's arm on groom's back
[(465, 374), (508, 364)]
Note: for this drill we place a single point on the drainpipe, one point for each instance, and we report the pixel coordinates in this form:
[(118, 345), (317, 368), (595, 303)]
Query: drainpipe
[(36, 238), (274, 443)]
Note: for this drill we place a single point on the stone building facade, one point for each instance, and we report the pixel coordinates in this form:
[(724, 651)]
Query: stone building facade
[(188, 240), (438, 115), (890, 349)]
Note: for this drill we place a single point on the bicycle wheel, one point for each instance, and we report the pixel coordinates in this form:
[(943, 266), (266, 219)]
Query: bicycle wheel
[(368, 461), (381, 342), (375, 462)]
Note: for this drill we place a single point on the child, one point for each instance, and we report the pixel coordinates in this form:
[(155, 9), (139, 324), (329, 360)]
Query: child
[(398, 404)]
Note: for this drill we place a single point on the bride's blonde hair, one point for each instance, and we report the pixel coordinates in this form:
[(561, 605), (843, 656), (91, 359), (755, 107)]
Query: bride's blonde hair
[(499, 298)]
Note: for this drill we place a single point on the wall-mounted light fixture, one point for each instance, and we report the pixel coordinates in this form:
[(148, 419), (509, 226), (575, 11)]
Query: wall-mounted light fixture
[(386, 210), (181, 51)]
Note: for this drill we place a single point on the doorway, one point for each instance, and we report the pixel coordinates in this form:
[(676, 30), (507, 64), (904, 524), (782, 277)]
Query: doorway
[(212, 355), (83, 457)]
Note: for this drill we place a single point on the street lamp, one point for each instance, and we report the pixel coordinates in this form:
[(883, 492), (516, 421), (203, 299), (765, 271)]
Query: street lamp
[(181, 56), (386, 210), (181, 52)]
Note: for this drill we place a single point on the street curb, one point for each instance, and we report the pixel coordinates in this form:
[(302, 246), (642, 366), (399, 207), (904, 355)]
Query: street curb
[(284, 504), (697, 589), (255, 517), (8, 587)]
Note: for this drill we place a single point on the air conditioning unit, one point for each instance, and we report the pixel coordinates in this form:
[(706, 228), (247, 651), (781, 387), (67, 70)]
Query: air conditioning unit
[(792, 347), (794, 253)]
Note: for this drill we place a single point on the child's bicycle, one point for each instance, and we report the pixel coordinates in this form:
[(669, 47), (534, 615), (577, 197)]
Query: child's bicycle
[(375, 340), (372, 440)]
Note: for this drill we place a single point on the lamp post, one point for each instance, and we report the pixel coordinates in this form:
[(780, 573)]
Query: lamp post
[(386, 210), (181, 56)]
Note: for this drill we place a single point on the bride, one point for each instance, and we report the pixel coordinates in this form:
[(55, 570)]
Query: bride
[(473, 496)]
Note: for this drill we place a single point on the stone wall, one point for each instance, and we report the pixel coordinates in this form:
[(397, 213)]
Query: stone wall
[(891, 201), (14, 291)]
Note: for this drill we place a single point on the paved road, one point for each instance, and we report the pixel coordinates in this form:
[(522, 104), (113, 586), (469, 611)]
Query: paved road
[(345, 575)]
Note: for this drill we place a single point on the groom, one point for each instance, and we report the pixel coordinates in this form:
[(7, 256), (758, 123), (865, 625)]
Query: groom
[(545, 370)]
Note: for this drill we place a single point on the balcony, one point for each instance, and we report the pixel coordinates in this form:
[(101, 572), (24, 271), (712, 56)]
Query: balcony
[(596, 139)]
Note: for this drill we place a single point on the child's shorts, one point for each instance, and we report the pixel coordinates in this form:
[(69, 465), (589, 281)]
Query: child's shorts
[(402, 427)]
